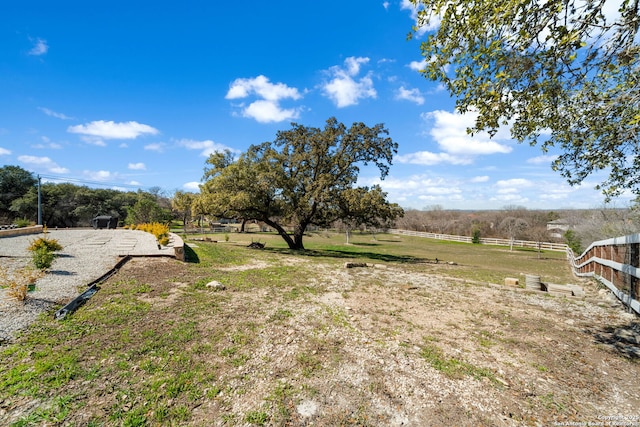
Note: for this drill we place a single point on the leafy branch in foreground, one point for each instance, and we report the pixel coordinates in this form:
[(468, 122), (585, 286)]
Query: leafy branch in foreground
[(561, 73)]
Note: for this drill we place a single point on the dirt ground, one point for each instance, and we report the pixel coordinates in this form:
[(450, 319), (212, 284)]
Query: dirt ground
[(400, 346)]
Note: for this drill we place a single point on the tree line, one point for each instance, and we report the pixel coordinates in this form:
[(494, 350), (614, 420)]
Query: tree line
[(580, 227), (70, 205)]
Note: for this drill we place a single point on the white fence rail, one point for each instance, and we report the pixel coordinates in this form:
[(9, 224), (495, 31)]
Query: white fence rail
[(485, 241)]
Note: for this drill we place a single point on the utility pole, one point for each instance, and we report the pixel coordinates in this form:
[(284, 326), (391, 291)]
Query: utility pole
[(39, 202)]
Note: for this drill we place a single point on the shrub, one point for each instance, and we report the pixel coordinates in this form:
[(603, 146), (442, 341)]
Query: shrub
[(573, 241), (161, 231), (475, 236), (23, 223), (42, 258), (50, 245)]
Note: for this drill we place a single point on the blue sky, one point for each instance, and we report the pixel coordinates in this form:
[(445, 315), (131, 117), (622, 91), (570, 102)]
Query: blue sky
[(138, 93)]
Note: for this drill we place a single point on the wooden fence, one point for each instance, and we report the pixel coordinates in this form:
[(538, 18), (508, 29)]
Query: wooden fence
[(485, 241), (613, 262)]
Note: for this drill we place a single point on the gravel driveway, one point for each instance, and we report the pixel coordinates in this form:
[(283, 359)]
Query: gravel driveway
[(87, 254)]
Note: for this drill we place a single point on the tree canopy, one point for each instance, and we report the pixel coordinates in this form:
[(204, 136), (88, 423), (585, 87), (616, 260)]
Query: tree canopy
[(563, 73), (69, 205), (369, 207), (15, 182), (304, 177), (182, 202)]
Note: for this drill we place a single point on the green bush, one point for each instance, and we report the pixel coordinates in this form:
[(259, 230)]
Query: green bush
[(43, 258), (475, 236), (573, 241), (22, 223)]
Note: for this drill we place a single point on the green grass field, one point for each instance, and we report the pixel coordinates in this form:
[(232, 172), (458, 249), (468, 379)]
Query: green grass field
[(482, 263)]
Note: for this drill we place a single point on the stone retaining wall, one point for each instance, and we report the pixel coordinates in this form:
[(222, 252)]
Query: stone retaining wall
[(178, 246), (36, 229)]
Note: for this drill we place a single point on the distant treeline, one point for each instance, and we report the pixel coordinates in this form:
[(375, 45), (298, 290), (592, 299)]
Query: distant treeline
[(70, 205), (577, 228)]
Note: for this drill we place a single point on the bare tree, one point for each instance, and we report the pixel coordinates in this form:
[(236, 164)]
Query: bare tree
[(512, 226)]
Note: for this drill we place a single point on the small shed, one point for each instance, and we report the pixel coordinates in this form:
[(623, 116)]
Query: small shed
[(104, 221)]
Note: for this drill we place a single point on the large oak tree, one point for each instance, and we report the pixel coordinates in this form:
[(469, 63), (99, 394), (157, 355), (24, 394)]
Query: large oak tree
[(563, 73), (300, 179)]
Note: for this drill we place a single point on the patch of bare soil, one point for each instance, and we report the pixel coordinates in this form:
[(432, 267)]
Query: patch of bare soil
[(395, 345)]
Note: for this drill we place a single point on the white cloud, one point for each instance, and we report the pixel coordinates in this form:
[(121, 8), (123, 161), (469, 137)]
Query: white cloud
[(100, 175), (40, 47), (267, 108), (4, 152), (428, 158), (344, 89), (192, 186), (449, 131), (510, 199), (417, 184), (43, 162), (93, 141), (562, 191), (137, 166), (385, 5), (52, 113), (541, 160), (512, 186), (101, 129), (418, 65), (265, 111), (206, 147), (156, 146), (412, 95), (413, 9), (133, 183), (421, 187), (47, 144), (263, 88), (479, 179), (514, 182)]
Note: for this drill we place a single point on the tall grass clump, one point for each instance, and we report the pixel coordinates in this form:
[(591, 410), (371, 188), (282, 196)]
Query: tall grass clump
[(19, 282)]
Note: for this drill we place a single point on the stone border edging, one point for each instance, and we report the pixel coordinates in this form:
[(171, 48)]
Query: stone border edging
[(36, 229), (178, 246)]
